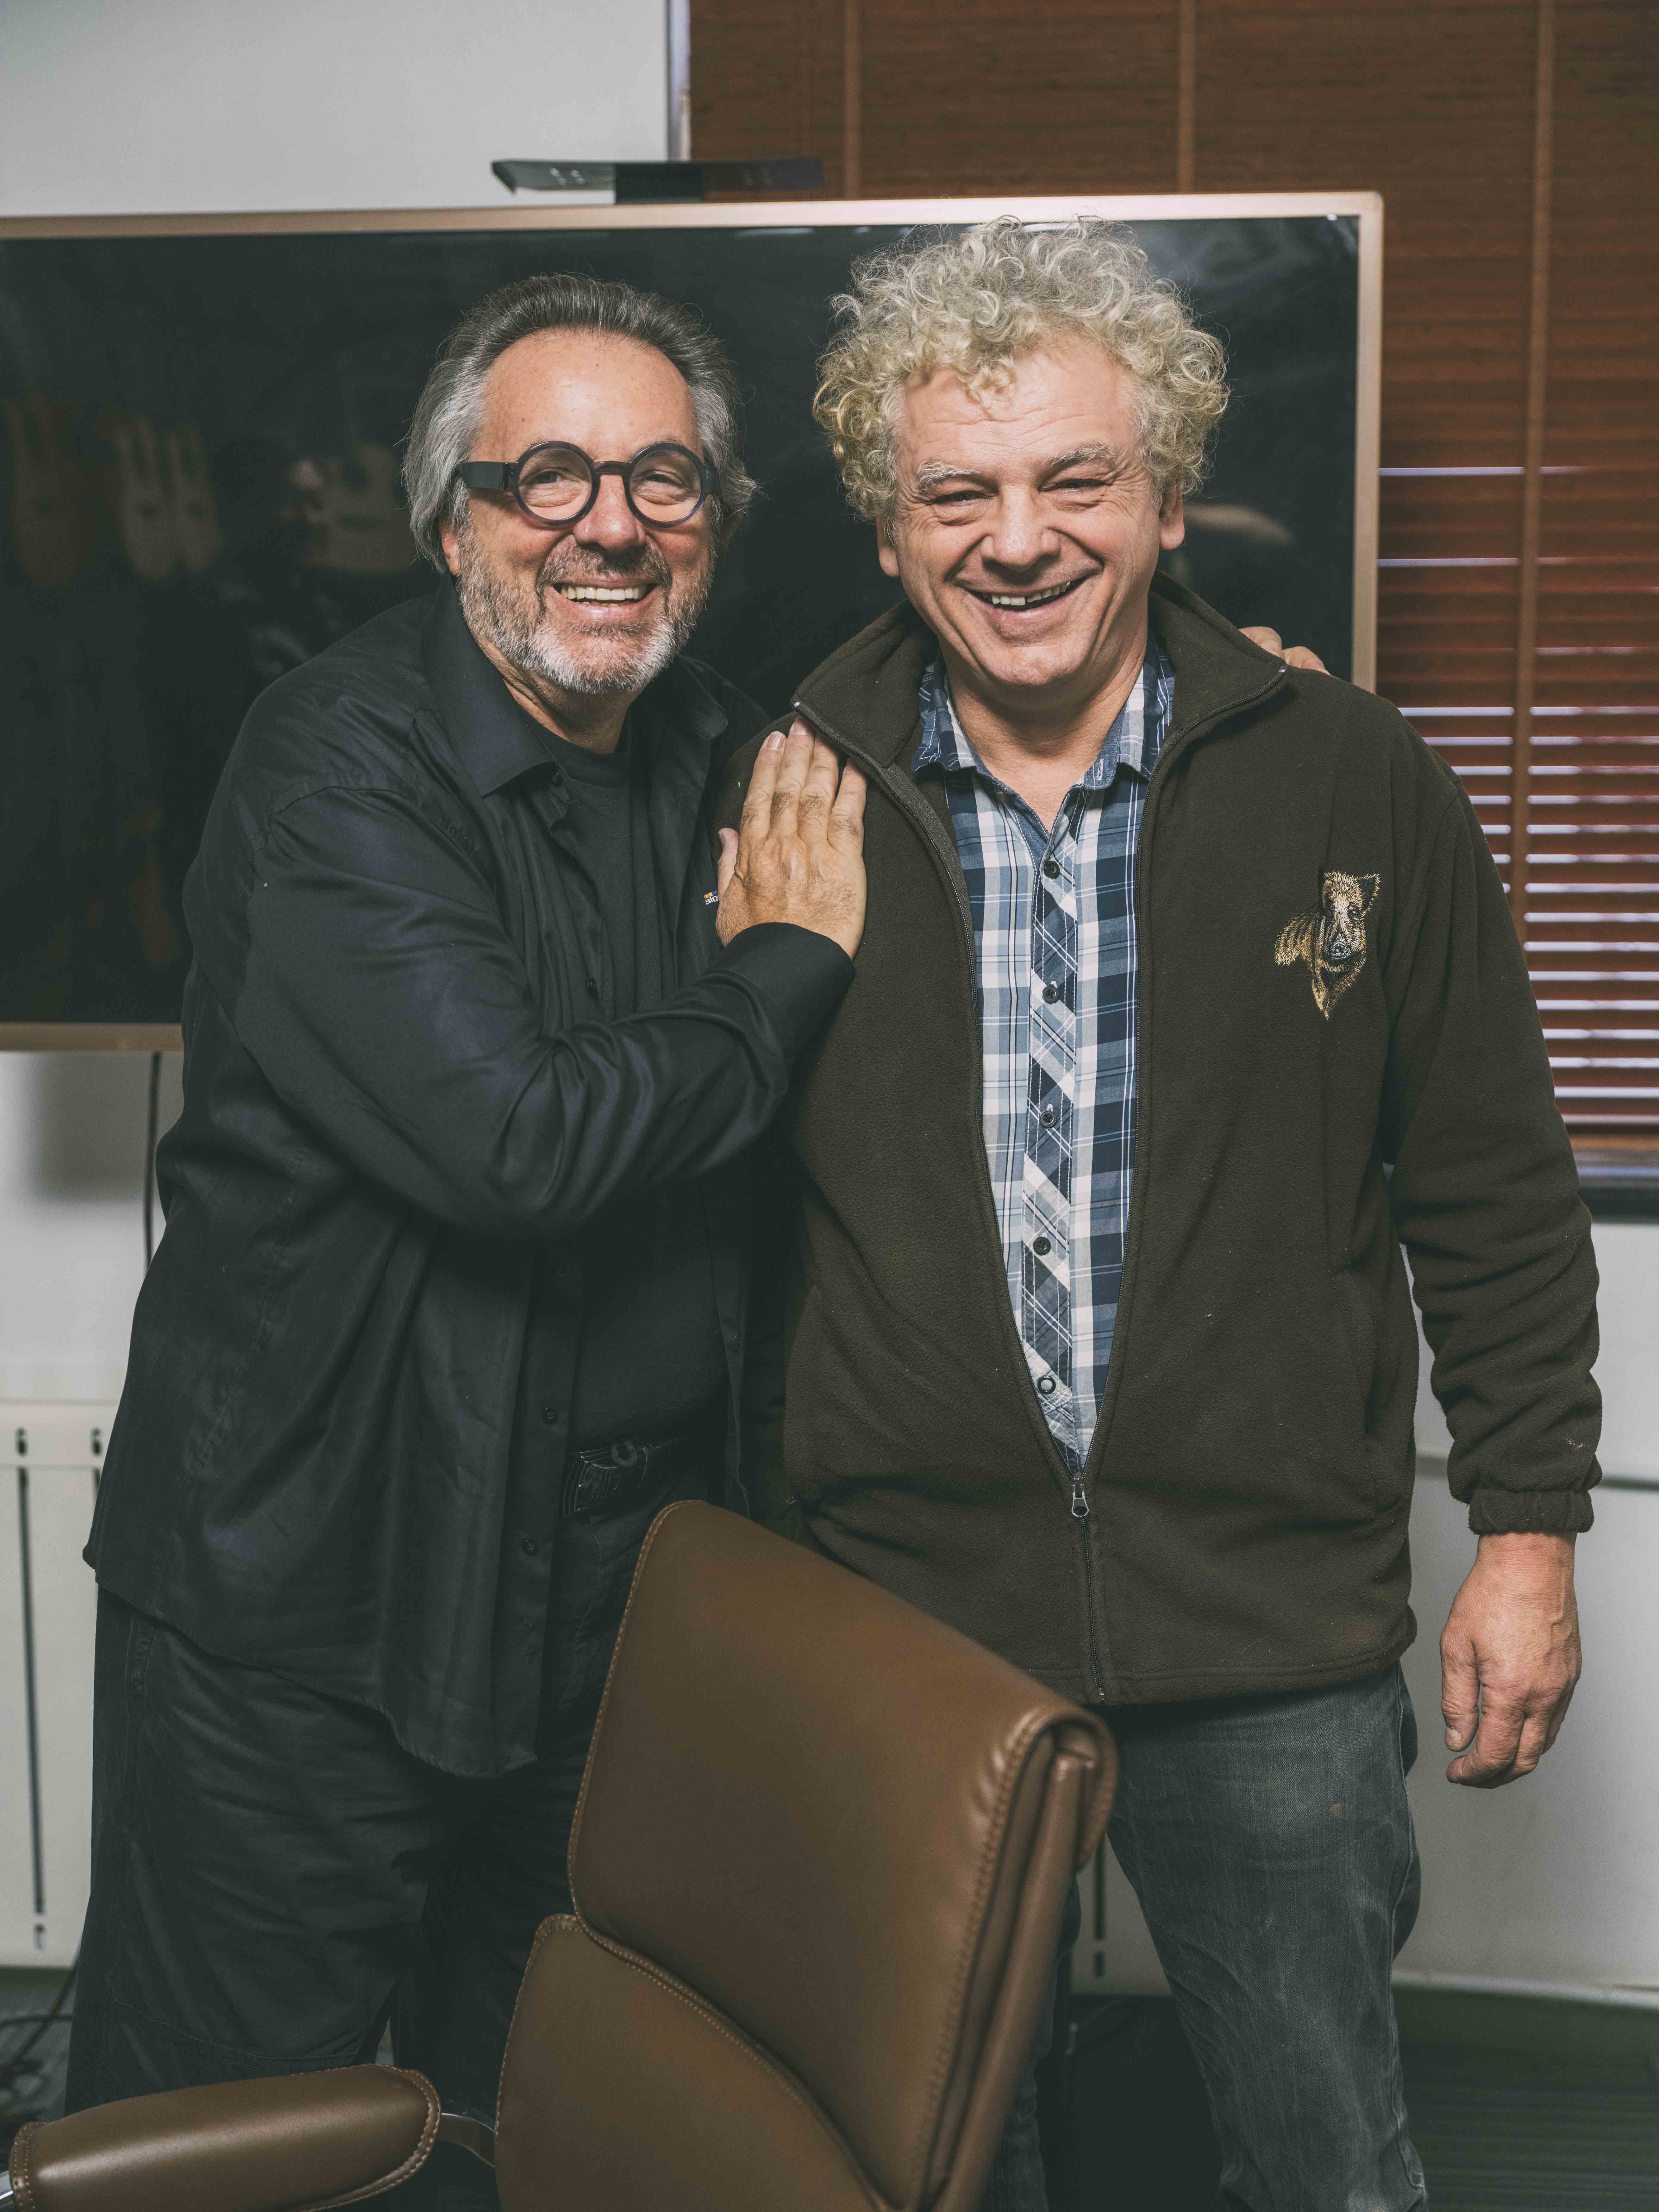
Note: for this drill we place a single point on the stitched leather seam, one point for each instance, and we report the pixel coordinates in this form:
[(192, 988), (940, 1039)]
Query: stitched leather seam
[(646, 1550), (21, 2150), (1034, 1726), (412, 2165), (542, 1935), (723, 2028)]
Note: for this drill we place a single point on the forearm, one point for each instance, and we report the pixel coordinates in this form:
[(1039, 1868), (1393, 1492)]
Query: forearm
[(534, 1136), (384, 1000)]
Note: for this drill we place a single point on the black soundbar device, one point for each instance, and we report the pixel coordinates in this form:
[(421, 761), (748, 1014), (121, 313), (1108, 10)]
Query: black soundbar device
[(662, 180)]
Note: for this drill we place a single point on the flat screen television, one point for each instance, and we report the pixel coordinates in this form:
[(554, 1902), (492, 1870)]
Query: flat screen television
[(202, 419)]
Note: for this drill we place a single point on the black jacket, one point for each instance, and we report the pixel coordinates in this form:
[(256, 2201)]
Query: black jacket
[(399, 1087), (1329, 988)]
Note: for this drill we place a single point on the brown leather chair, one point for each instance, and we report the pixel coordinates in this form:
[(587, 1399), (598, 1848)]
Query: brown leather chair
[(819, 1865)]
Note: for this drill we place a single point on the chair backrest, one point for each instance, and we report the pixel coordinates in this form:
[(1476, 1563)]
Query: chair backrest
[(819, 1865)]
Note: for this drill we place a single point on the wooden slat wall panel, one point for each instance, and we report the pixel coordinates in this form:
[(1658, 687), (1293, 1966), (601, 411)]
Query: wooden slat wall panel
[(1593, 786), (768, 78), (951, 93), (1432, 105)]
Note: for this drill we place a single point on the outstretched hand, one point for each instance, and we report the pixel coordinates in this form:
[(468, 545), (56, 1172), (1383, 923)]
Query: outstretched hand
[(1509, 1659), (799, 855)]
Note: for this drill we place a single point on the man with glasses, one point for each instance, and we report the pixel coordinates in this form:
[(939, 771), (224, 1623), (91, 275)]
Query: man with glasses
[(451, 1298)]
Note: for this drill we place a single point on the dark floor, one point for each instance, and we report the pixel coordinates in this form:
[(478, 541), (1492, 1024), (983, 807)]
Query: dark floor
[(1516, 2104)]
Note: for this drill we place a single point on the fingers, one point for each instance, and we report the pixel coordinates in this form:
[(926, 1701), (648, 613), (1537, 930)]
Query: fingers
[(728, 861), (762, 777), (1560, 1713), (1459, 1693), (847, 815), (1534, 1743), (800, 752), (1294, 656), (1491, 1757), (818, 792)]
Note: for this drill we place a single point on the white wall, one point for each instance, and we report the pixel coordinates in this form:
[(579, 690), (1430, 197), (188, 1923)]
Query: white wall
[(142, 106), (1627, 1254), (71, 1232)]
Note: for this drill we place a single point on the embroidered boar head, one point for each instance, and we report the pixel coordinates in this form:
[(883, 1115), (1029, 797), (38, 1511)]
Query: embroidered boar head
[(1331, 936)]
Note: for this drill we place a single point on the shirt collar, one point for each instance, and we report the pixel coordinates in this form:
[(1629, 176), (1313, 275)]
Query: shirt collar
[(497, 740), (1132, 741)]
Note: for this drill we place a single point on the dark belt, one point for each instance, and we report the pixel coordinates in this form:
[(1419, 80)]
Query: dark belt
[(614, 1478)]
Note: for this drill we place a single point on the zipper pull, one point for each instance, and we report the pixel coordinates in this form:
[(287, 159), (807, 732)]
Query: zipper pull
[(1080, 1500)]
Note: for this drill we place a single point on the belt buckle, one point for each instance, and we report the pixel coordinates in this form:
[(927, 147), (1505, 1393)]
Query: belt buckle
[(598, 1482)]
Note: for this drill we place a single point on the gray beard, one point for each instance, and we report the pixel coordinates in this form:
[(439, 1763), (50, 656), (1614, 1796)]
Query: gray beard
[(516, 624)]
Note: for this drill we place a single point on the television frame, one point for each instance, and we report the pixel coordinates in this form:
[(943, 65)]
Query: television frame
[(743, 215)]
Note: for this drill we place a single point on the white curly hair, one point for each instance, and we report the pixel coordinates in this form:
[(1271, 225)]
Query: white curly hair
[(981, 299)]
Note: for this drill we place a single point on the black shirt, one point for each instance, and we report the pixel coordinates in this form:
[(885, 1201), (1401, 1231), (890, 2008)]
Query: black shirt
[(651, 1360), (398, 1093)]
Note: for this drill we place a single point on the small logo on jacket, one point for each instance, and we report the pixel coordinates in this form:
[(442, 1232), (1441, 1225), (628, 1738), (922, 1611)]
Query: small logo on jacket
[(1331, 936)]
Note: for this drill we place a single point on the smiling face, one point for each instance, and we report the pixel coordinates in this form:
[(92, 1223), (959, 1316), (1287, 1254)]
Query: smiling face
[(1026, 529), (598, 607)]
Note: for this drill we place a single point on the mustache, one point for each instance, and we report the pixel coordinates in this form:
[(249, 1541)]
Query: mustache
[(577, 565)]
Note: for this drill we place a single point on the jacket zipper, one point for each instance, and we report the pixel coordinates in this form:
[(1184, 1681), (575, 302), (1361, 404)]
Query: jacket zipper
[(947, 866), (1179, 743)]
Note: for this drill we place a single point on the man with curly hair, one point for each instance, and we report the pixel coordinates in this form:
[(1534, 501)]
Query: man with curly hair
[(1187, 994)]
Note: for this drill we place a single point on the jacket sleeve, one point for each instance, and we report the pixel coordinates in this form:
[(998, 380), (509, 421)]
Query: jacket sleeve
[(385, 1003), (1485, 1199)]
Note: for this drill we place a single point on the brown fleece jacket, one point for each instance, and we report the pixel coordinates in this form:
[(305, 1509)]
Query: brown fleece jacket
[(1338, 1052)]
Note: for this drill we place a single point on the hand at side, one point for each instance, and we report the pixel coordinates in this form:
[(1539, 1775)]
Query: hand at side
[(1509, 1659)]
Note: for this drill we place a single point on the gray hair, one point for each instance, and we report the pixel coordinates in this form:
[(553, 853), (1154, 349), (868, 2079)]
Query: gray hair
[(447, 414), (979, 301)]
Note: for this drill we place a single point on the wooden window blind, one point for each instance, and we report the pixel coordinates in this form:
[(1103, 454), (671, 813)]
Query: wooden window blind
[(1515, 143)]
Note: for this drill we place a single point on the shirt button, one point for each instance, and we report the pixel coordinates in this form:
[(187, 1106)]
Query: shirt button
[(1051, 991), (1046, 1117), (528, 1546), (1046, 1384), (551, 1415), (1041, 1247), (1051, 867), (592, 988)]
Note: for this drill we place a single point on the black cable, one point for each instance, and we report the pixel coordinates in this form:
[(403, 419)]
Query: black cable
[(149, 1156), (17, 2061)]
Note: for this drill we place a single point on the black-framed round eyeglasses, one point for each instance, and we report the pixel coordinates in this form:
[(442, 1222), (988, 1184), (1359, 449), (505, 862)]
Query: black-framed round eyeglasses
[(556, 485)]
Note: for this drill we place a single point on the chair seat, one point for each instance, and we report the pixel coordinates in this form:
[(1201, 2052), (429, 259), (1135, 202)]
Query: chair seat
[(624, 2089)]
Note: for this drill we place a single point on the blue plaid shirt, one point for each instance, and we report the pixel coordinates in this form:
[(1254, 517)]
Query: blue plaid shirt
[(1054, 940)]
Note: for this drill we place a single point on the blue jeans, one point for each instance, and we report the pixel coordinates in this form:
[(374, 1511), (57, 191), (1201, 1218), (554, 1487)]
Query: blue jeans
[(1270, 1844)]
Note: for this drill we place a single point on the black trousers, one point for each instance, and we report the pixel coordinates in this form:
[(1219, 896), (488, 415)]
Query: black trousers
[(274, 1876)]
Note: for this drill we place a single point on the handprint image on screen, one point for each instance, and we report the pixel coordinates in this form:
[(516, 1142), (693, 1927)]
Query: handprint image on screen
[(200, 433)]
